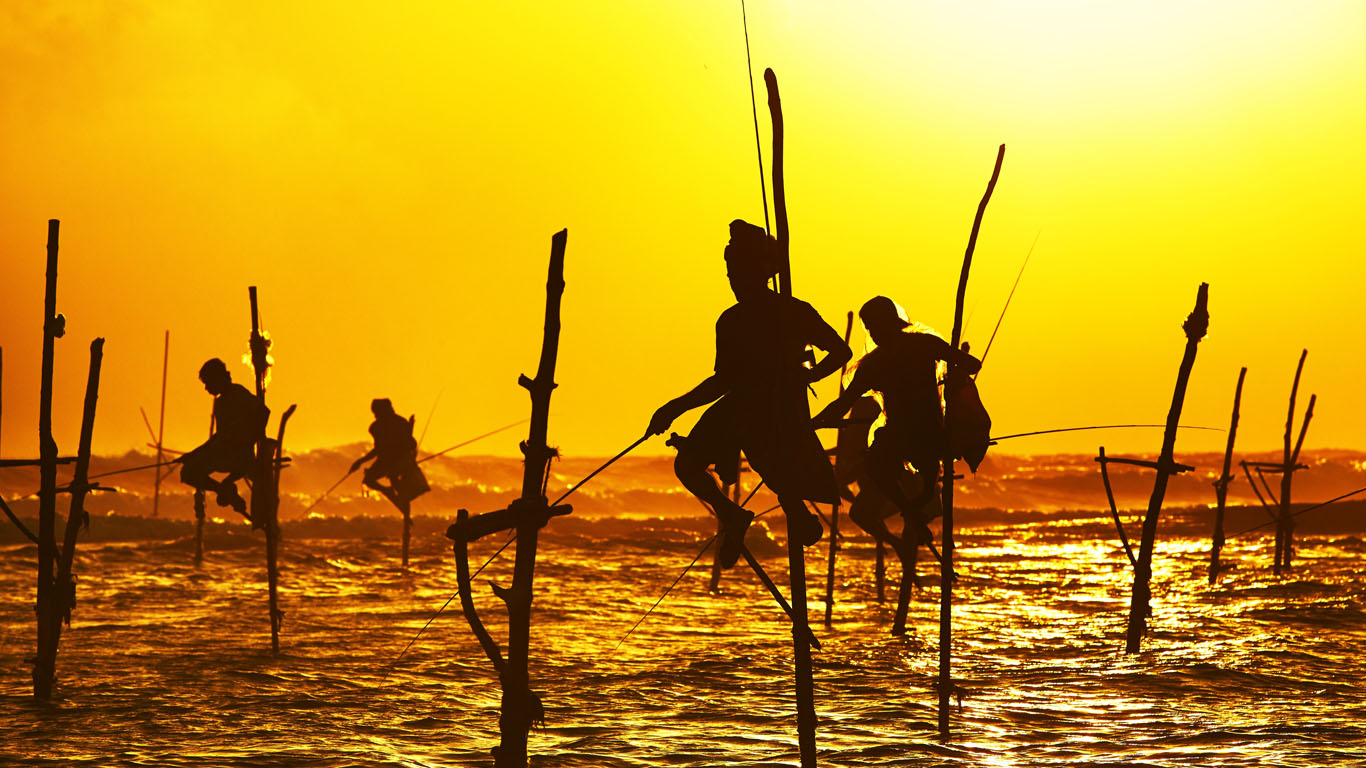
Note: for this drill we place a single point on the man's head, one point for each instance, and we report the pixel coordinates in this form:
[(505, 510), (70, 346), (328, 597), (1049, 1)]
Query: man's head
[(381, 406), (882, 318), (751, 258), (215, 376)]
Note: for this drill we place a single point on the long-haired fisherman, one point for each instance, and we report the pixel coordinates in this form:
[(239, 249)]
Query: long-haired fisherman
[(903, 370), (395, 455), (239, 422), (759, 395)]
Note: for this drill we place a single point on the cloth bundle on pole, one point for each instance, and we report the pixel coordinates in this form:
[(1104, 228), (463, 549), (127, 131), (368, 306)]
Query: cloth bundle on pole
[(520, 707)]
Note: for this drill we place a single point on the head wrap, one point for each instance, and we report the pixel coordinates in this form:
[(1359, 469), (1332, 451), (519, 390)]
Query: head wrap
[(751, 253)]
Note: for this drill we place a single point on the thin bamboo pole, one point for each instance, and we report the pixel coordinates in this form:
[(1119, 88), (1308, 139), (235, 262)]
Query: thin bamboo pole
[(161, 422), (1221, 485), (835, 509), (53, 328), (1284, 501), (1287, 518), (1197, 323), (199, 513), (946, 548)]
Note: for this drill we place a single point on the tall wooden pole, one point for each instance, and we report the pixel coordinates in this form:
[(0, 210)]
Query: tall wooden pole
[(62, 596), (1197, 323), (263, 505), (946, 548), (1221, 485), (1284, 522), (519, 705), (53, 328), (793, 509)]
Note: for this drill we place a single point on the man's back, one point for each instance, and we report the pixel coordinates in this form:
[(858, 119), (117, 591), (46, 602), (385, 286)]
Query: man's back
[(393, 436), (904, 371), (239, 417)]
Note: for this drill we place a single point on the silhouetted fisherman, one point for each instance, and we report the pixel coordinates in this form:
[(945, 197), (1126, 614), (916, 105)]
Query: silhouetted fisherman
[(903, 369), (759, 390), (239, 422), (395, 455)]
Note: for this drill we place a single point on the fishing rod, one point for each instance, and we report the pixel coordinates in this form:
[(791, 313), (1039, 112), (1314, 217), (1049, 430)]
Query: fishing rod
[(1103, 426), (754, 109), (987, 351), (399, 658), (641, 620), (473, 440), (1302, 511), (595, 472)]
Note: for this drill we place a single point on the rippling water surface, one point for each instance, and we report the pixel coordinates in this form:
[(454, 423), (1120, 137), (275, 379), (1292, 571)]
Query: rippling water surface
[(167, 664)]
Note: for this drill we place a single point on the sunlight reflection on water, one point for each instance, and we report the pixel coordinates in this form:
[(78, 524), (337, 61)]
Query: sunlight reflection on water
[(168, 665)]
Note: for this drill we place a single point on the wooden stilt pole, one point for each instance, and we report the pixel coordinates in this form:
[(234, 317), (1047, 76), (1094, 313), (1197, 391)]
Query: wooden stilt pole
[(265, 501), (1287, 518), (63, 593), (946, 687), (1282, 520), (199, 514), (53, 328), (792, 508), (1221, 485), (880, 572), (1140, 605), (161, 423), (520, 708)]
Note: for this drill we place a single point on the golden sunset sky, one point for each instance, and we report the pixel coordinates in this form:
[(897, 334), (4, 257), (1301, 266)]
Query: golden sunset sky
[(390, 175)]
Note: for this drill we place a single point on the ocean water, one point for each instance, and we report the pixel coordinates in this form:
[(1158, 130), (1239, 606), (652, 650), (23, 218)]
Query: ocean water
[(168, 664)]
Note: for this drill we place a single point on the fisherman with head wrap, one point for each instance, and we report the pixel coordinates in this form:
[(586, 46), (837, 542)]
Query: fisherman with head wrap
[(395, 455), (759, 394), (903, 369), (239, 419)]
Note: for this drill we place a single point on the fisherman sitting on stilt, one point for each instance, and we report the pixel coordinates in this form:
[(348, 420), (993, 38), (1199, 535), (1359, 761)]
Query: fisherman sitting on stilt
[(903, 370), (395, 455), (759, 390), (239, 422)]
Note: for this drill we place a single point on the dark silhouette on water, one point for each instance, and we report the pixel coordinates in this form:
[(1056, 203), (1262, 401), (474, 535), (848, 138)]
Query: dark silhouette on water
[(240, 423), (395, 460)]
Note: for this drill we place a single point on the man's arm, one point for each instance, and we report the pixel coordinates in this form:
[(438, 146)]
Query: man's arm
[(355, 465), (711, 389), (828, 340), (832, 413)]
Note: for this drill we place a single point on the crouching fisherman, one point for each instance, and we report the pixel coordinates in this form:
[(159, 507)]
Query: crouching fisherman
[(395, 455), (239, 419), (758, 397), (903, 369)]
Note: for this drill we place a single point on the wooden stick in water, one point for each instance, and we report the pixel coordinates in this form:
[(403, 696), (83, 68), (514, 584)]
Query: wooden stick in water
[(1197, 323), (1221, 485), (946, 686), (53, 328)]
